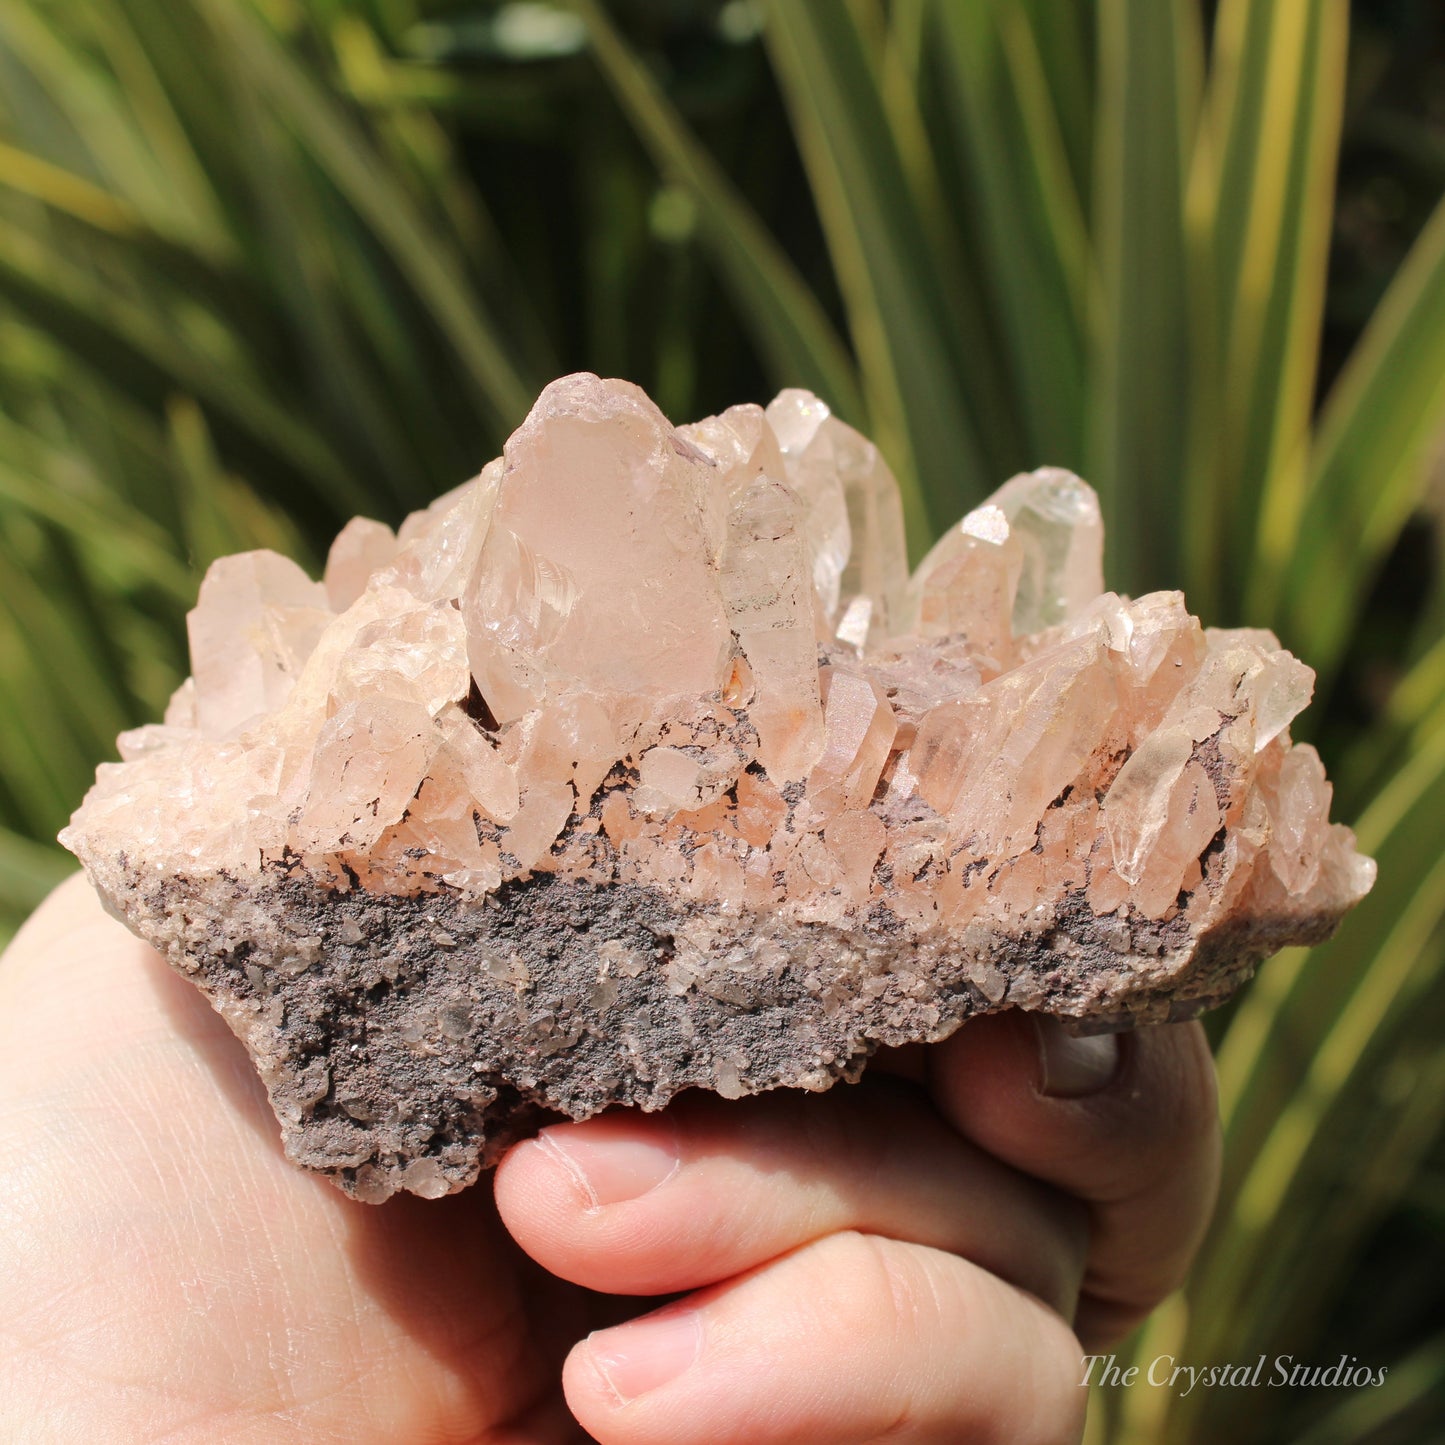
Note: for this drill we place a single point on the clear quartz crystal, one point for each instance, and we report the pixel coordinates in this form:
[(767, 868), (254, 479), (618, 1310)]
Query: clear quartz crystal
[(595, 574), (693, 658), (1056, 518), (253, 627), (855, 518), (361, 547), (770, 607), (967, 584)]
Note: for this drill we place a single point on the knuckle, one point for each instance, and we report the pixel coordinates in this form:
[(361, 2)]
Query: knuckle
[(1195, 1134), (929, 1319), (1171, 1109), (868, 1278), (1197, 1087)]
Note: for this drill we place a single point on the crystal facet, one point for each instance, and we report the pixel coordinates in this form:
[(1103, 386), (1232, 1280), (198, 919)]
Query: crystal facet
[(640, 762)]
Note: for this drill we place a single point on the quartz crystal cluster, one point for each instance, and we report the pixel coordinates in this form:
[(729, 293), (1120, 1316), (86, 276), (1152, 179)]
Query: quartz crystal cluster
[(641, 762)]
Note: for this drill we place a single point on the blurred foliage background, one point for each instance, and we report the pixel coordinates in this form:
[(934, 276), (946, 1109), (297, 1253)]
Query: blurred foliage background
[(267, 263)]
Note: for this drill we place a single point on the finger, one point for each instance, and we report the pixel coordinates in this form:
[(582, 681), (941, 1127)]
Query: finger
[(851, 1339), (1127, 1123), (650, 1204)]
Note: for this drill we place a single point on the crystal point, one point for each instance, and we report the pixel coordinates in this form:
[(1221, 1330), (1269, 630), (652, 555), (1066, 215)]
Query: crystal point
[(1056, 518), (594, 575)]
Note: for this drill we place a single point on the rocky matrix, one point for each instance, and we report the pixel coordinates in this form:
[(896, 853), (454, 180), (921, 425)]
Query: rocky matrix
[(640, 762)]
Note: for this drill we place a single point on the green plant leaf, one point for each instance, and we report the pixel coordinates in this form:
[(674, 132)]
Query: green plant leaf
[(1369, 1412), (129, 344), (1150, 67), (934, 394), (123, 139), (791, 326), (1368, 466), (351, 164), (28, 871), (1064, 32), (1261, 196), (1347, 1004), (102, 522), (1030, 213)]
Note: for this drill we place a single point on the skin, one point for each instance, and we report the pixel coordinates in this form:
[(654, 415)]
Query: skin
[(906, 1260)]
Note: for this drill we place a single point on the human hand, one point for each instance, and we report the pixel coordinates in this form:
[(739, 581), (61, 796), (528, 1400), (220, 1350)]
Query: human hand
[(896, 1259)]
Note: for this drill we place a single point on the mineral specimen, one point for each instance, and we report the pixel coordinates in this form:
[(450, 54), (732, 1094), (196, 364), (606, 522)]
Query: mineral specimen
[(641, 763)]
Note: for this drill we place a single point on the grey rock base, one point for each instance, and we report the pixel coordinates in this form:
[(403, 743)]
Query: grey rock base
[(407, 1041)]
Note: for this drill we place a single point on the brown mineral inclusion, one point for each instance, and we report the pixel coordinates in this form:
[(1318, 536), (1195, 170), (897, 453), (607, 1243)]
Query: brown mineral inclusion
[(641, 763)]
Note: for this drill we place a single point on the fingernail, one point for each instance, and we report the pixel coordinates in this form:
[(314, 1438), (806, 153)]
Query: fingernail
[(648, 1353), (609, 1162), (1073, 1067)]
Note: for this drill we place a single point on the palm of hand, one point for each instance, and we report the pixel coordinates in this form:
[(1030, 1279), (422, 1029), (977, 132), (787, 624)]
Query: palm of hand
[(215, 1291)]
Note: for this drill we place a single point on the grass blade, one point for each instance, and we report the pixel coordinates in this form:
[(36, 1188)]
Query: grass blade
[(77, 109), (1150, 63), (346, 158), (1368, 466), (790, 325), (1063, 31), (932, 386), (103, 523), (1369, 1413), (61, 706), (28, 871), (33, 176), (1032, 220), (219, 513), (1279, 126), (1348, 1003)]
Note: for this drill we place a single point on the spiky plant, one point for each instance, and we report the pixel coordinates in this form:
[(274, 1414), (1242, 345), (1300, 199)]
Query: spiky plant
[(264, 263)]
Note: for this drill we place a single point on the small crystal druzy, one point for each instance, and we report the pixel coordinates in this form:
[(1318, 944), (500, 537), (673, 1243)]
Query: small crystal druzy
[(641, 763)]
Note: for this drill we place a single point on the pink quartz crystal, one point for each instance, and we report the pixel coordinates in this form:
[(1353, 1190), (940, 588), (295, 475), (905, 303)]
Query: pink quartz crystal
[(641, 763)]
